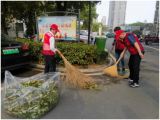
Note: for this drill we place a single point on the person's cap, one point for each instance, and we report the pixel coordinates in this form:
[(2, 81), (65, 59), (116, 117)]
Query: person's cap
[(118, 33), (54, 26)]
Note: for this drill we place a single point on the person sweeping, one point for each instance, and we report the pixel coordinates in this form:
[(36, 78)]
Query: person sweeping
[(119, 46), (73, 75), (49, 49), (136, 50)]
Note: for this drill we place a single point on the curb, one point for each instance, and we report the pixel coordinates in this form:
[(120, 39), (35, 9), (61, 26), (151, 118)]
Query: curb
[(82, 70), (114, 59)]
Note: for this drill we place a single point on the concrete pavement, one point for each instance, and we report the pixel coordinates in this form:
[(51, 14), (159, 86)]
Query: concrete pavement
[(116, 100)]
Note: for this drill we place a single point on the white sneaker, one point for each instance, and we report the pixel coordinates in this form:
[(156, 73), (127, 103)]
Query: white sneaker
[(134, 85), (128, 79)]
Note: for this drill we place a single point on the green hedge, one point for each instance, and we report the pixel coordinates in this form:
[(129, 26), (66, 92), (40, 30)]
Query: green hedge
[(79, 54)]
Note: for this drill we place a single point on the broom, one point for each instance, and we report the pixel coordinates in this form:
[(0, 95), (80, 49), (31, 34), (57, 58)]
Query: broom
[(76, 77), (112, 70)]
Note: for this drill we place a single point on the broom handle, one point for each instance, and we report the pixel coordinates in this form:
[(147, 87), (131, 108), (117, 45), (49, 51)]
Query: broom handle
[(118, 61), (60, 54)]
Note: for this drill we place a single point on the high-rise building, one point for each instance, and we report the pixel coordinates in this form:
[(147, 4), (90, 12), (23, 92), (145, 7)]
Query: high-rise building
[(156, 17), (117, 13), (155, 27), (103, 20)]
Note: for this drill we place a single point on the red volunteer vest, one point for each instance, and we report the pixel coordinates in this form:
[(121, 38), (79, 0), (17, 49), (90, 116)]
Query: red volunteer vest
[(119, 45), (131, 48), (46, 44)]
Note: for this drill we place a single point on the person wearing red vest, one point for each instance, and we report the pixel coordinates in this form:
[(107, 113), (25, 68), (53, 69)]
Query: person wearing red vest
[(119, 46), (49, 49), (136, 50)]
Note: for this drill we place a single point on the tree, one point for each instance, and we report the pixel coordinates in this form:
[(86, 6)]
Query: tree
[(6, 16), (67, 5), (104, 28), (85, 16), (137, 32), (141, 24), (81, 27), (21, 10), (95, 27), (25, 11), (122, 25)]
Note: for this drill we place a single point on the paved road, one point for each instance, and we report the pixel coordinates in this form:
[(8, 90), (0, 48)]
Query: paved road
[(118, 102), (149, 77)]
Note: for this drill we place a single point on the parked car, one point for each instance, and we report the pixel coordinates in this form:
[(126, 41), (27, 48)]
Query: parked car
[(84, 33), (110, 35), (85, 41), (84, 37), (14, 54)]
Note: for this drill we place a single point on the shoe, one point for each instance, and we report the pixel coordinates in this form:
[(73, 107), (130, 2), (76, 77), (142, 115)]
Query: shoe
[(128, 79), (123, 70), (118, 70), (134, 84)]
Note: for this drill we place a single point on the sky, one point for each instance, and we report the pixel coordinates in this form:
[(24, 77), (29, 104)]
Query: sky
[(135, 11)]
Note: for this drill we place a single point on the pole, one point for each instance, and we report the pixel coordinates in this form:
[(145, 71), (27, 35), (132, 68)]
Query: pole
[(79, 28), (36, 26), (89, 21)]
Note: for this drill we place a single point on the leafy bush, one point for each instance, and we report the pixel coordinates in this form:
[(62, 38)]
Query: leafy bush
[(75, 53), (137, 32)]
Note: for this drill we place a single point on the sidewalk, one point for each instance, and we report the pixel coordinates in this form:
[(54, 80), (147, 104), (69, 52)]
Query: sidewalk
[(116, 100)]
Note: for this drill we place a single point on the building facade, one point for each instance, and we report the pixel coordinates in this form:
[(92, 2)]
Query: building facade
[(148, 29), (155, 27), (103, 20), (17, 28), (117, 13), (129, 28), (156, 19)]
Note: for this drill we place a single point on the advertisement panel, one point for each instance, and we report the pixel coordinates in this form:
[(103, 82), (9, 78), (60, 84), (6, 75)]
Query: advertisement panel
[(66, 26), (128, 28)]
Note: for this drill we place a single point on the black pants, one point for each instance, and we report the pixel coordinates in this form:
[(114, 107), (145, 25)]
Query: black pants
[(50, 63), (134, 67)]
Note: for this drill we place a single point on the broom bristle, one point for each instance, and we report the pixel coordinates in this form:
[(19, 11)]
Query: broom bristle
[(76, 77), (111, 71)]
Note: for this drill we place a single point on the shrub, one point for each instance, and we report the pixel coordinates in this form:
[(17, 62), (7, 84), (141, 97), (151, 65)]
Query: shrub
[(75, 53), (137, 32)]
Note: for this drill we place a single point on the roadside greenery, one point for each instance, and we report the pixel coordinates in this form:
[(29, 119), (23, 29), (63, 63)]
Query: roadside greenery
[(137, 32), (95, 27), (75, 53), (141, 24), (84, 16), (26, 11)]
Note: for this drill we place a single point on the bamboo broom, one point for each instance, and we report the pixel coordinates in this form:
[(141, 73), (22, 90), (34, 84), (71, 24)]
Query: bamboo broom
[(112, 70), (76, 77)]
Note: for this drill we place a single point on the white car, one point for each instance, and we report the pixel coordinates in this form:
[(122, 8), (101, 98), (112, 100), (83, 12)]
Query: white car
[(84, 35)]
